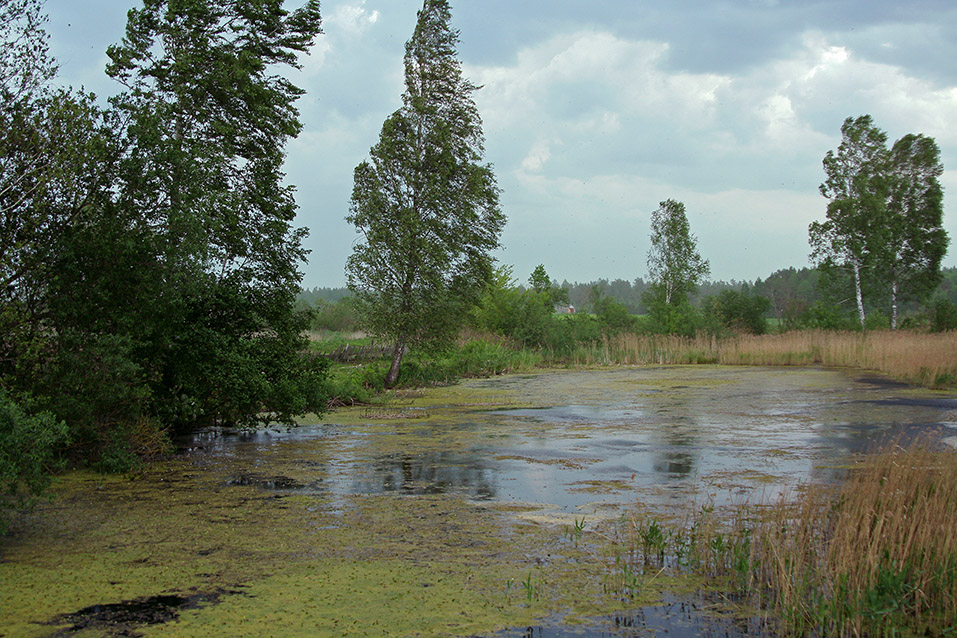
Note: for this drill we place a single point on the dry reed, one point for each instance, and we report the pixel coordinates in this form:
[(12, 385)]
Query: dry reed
[(917, 358), (875, 556)]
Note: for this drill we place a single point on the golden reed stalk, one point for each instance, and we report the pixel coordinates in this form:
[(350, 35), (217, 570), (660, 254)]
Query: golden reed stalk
[(918, 358)]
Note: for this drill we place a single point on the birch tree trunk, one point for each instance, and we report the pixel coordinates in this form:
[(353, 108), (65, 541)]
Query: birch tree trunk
[(894, 304), (393, 375), (858, 292)]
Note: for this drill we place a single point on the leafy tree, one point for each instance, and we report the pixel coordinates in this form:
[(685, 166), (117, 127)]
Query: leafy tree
[(204, 217), (855, 186), (674, 265), (943, 315), (56, 168), (525, 316), (916, 239), (51, 144), (738, 312), (613, 316), (339, 316), (883, 222), (539, 279), (425, 205), (551, 292), (28, 453), (675, 269), (25, 62)]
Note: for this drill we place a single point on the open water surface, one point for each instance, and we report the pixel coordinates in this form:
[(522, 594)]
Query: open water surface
[(579, 442), (590, 443)]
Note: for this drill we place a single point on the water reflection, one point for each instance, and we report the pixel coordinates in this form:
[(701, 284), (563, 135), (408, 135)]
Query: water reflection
[(675, 618), (601, 437), (433, 473)]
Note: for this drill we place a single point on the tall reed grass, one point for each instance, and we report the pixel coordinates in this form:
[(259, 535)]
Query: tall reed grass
[(918, 358), (873, 556)]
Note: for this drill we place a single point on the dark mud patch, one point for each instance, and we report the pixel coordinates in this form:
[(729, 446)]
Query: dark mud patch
[(881, 381), (124, 618), (941, 403)]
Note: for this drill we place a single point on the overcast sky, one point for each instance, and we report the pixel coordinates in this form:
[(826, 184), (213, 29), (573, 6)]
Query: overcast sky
[(594, 112)]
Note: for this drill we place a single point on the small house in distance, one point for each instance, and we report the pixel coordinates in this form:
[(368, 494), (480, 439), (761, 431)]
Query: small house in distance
[(565, 310)]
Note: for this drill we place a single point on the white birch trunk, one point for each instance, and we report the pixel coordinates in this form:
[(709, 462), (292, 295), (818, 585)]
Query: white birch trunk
[(894, 305), (859, 294)]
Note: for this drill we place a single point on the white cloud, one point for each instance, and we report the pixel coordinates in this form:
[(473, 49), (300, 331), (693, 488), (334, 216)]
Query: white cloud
[(351, 19), (570, 77), (537, 156), (345, 21)]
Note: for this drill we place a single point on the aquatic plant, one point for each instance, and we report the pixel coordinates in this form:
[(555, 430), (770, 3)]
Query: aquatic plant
[(874, 556)]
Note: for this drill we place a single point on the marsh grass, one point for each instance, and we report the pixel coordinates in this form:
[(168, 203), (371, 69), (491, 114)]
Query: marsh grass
[(918, 358), (874, 556)]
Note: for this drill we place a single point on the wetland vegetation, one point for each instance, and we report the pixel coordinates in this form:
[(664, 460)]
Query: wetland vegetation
[(556, 499), (680, 469)]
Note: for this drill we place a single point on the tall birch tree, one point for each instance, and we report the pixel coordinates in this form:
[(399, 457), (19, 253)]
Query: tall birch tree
[(425, 205), (674, 265), (855, 186), (884, 215), (916, 239)]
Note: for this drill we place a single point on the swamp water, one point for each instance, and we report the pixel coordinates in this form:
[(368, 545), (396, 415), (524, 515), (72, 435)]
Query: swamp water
[(471, 510)]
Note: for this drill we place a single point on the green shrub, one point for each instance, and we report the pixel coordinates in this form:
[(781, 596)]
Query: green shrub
[(736, 312), (943, 315), (29, 445), (340, 316)]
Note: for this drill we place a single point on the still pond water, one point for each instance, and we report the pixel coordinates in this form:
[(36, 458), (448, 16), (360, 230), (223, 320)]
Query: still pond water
[(446, 511), (583, 441)]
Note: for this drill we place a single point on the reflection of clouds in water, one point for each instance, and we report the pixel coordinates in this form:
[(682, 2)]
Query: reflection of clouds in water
[(611, 437)]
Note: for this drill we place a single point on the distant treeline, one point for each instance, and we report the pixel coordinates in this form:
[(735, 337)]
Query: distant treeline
[(790, 291)]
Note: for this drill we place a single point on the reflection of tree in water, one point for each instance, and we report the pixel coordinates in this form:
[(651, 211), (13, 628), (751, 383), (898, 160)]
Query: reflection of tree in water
[(431, 473), (674, 463), (677, 440)]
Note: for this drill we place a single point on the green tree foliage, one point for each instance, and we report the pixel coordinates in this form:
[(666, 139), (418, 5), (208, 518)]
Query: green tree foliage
[(524, 316), (883, 225), (205, 239), (29, 444), (425, 205), (339, 316), (855, 189), (675, 269), (943, 315), (51, 170), (913, 233), (540, 282), (56, 152), (613, 316), (674, 265), (737, 312), (148, 255), (25, 62)]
